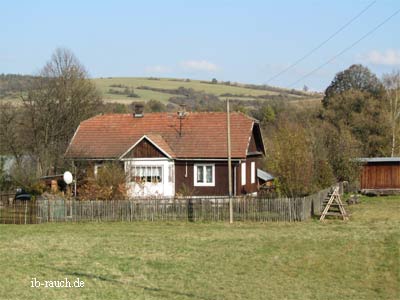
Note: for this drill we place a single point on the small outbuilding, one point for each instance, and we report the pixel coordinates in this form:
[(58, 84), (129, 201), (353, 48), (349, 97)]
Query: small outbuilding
[(380, 175), (265, 181)]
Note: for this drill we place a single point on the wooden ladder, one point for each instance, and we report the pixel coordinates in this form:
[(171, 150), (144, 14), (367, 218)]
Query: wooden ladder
[(334, 206)]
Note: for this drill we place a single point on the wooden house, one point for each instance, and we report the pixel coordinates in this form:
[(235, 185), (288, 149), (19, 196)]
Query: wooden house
[(165, 154), (380, 175)]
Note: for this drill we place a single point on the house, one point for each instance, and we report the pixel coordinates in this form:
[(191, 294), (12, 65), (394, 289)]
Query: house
[(380, 175), (165, 154)]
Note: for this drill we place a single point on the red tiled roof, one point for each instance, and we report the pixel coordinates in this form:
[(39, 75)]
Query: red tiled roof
[(203, 135)]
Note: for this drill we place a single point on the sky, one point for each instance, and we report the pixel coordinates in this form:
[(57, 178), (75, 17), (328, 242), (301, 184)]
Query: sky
[(240, 41)]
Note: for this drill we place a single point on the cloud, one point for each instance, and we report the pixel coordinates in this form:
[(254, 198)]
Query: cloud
[(199, 65), (390, 57), (157, 69)]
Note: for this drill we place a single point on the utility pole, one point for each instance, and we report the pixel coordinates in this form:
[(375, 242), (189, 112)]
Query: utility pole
[(228, 122)]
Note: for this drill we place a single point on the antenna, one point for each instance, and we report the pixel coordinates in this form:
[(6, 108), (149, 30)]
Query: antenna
[(181, 115)]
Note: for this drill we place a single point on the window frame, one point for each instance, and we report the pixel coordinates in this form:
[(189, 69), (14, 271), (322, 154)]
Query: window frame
[(134, 178), (243, 173), (204, 166), (253, 172)]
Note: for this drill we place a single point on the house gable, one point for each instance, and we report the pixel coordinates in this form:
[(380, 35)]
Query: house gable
[(256, 144), (145, 148)]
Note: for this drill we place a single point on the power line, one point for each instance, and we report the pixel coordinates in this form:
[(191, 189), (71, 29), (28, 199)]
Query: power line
[(320, 45), (346, 49)]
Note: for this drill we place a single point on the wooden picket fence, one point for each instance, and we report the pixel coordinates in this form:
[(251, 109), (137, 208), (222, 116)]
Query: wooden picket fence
[(191, 209)]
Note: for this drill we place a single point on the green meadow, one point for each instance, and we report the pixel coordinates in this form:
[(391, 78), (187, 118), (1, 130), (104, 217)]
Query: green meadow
[(358, 259)]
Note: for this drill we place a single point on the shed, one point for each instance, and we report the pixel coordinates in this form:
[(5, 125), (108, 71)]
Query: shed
[(265, 180), (380, 175), (264, 176)]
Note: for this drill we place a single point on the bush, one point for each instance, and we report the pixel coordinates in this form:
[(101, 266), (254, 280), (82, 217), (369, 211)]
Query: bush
[(290, 158), (23, 175), (109, 184), (154, 106)]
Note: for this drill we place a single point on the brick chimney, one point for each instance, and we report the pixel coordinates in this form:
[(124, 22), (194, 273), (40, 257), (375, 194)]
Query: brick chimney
[(138, 110)]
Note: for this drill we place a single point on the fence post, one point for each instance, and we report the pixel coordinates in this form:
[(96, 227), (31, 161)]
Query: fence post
[(190, 210), (26, 208)]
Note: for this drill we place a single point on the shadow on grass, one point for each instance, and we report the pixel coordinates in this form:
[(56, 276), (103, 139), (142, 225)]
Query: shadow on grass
[(113, 280), (92, 276), (83, 274)]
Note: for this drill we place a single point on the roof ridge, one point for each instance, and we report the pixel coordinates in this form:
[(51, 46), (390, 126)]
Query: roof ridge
[(173, 113)]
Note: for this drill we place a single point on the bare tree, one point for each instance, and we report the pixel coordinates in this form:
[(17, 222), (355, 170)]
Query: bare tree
[(11, 139), (58, 100), (392, 85)]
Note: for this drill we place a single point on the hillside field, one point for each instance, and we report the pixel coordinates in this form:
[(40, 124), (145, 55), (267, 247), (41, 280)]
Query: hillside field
[(113, 90), (237, 91), (358, 259)]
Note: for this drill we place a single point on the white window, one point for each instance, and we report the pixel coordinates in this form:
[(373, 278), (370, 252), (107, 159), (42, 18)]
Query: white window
[(253, 172), (146, 174), (243, 167), (204, 175)]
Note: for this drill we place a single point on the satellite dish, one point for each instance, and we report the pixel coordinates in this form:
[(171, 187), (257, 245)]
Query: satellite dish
[(67, 177)]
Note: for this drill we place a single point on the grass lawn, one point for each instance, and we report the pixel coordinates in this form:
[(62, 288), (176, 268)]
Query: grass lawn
[(358, 259)]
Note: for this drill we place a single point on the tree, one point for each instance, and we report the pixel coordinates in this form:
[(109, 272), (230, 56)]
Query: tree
[(341, 149), (239, 107), (356, 77), (355, 102), (324, 176), (11, 133), (364, 116), (154, 106), (267, 114), (290, 159), (392, 85), (60, 97), (4, 178)]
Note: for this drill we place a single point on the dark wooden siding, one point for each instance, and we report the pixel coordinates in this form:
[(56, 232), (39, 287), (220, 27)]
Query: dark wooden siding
[(221, 178), (144, 149), (252, 144), (380, 176), (249, 187), (256, 144)]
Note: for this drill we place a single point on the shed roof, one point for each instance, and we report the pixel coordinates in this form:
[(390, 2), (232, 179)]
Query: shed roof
[(378, 159), (264, 175)]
